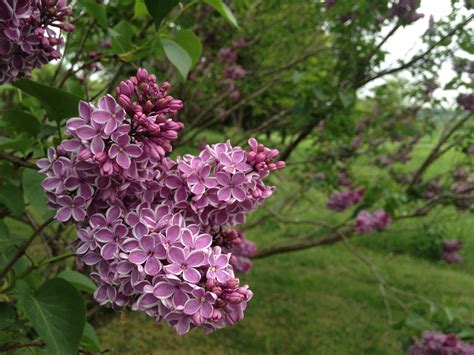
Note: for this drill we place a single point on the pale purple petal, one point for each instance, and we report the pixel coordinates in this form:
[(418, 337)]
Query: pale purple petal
[(192, 306), (191, 275), (137, 257)]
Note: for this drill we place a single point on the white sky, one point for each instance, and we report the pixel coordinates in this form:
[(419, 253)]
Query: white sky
[(407, 41)]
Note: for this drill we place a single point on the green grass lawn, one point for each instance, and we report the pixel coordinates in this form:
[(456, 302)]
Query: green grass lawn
[(322, 300)]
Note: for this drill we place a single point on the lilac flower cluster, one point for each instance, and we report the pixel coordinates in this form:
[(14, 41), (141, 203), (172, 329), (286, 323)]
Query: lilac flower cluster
[(466, 101), (463, 188), (438, 343), (27, 39), (401, 155), (450, 251), (369, 221), (153, 229), (232, 71), (405, 10), (340, 201)]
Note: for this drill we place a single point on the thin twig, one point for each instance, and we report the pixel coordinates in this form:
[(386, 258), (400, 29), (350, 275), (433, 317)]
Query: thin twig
[(17, 161), (23, 247), (13, 346)]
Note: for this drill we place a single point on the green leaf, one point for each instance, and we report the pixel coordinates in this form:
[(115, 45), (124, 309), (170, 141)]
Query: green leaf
[(22, 121), (21, 143), (347, 98), (32, 190), (90, 340), (97, 11), (191, 44), (158, 9), (59, 104), (224, 10), (7, 315), (139, 9), (58, 314), (12, 197), (467, 333), (7, 239), (178, 56), (122, 35), (78, 280), (417, 322)]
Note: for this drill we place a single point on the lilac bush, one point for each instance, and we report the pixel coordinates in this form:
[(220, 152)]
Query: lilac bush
[(151, 228), (29, 35)]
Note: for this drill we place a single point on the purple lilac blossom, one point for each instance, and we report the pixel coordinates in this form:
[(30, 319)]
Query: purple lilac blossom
[(27, 37), (450, 252), (405, 11), (369, 221), (433, 342), (340, 201), (466, 101), (153, 230)]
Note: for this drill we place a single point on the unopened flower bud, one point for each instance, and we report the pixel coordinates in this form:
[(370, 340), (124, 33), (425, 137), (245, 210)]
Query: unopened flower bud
[(210, 284), (232, 283)]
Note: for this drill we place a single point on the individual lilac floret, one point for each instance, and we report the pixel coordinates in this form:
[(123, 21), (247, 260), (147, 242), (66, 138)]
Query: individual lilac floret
[(369, 221), (202, 303), (340, 201), (438, 343), (27, 37)]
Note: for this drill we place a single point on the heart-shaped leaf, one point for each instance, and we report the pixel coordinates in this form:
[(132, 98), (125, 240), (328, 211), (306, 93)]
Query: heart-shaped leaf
[(59, 104), (191, 44), (58, 314), (224, 10), (158, 9), (178, 56), (78, 280), (22, 122)]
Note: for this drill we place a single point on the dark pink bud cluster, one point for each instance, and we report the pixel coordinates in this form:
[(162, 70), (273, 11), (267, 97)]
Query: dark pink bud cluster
[(438, 343), (232, 71), (262, 158), (27, 38), (150, 108), (370, 221), (242, 249), (450, 251), (466, 101), (405, 11), (151, 229), (340, 201)]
